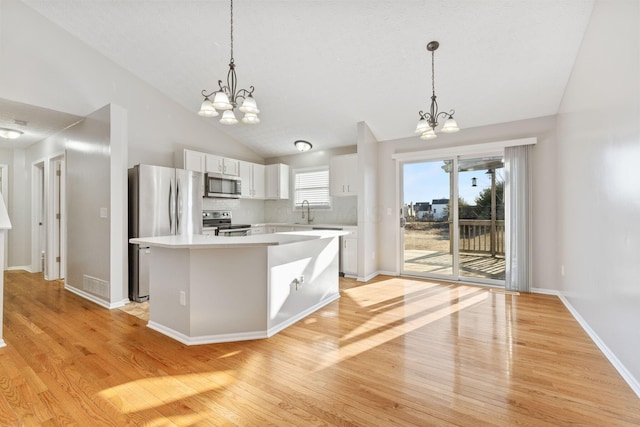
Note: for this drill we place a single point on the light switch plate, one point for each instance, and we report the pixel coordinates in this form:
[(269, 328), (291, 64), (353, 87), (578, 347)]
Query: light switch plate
[(103, 212)]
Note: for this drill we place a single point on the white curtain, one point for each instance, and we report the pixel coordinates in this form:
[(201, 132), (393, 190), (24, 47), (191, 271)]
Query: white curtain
[(518, 217)]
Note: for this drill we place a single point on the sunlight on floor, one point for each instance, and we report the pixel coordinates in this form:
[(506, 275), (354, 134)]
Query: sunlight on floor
[(149, 393), (397, 307)]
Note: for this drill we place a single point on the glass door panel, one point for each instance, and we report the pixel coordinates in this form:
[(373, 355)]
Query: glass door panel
[(481, 219), (427, 235)]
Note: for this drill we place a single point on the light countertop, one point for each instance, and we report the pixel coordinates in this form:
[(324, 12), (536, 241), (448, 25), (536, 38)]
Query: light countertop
[(200, 241), (305, 225)]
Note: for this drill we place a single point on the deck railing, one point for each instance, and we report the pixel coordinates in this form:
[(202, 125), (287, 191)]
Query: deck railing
[(481, 236)]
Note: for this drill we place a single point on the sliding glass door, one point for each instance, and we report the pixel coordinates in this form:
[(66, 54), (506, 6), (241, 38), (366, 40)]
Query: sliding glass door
[(453, 213), (481, 230), (428, 214)]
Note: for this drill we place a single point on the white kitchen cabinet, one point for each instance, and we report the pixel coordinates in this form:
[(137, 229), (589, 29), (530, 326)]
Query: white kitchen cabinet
[(193, 161), (349, 254), (222, 165), (343, 175), (252, 176), (277, 181), (190, 160)]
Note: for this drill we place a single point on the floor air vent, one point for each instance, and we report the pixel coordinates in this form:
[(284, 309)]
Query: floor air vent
[(96, 286)]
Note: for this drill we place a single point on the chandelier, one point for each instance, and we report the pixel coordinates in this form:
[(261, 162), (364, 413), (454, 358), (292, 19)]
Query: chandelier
[(227, 97), (428, 121)]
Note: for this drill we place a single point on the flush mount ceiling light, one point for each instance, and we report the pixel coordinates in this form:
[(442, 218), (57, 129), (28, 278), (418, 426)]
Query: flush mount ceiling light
[(303, 145), (428, 121), (226, 98), (10, 133)]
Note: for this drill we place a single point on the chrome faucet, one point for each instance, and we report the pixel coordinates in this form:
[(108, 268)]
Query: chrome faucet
[(309, 219)]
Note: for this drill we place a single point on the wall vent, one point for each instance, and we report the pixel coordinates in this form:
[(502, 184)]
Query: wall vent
[(96, 286)]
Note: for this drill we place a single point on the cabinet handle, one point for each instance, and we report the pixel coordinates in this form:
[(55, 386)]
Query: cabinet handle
[(343, 188)]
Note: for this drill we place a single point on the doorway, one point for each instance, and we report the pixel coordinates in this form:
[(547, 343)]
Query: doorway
[(48, 231), (453, 211)]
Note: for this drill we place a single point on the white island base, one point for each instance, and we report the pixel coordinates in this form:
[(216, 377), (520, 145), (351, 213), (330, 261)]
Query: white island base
[(208, 289)]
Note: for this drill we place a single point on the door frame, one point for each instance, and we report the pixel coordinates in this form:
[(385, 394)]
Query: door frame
[(38, 226), (55, 229), (45, 189), (482, 149), (454, 231), (4, 177)]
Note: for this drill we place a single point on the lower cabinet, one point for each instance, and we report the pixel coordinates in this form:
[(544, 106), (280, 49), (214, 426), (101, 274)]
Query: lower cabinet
[(349, 254)]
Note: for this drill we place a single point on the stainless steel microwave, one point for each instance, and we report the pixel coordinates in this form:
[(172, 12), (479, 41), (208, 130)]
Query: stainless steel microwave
[(217, 185)]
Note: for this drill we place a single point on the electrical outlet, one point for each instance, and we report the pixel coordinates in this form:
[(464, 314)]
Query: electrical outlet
[(183, 298), (562, 270)]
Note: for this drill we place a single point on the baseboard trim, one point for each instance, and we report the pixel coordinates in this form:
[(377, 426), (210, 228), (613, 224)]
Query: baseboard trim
[(205, 339), (26, 268), (283, 325), (95, 299), (240, 336), (545, 291), (367, 278), (622, 370), (2, 343), (389, 273)]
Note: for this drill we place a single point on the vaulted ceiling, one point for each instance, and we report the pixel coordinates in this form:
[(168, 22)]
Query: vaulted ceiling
[(321, 66)]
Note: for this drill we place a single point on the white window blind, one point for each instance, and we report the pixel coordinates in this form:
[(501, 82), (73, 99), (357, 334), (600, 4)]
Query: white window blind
[(312, 185)]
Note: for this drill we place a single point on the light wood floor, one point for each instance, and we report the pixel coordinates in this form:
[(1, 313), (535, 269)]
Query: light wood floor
[(393, 351)]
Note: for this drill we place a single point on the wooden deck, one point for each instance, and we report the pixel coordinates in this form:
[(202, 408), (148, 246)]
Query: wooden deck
[(438, 262), (390, 352)]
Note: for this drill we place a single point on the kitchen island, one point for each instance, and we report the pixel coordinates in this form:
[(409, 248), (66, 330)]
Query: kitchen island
[(210, 289)]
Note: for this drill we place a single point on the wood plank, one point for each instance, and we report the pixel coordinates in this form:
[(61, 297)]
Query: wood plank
[(392, 351)]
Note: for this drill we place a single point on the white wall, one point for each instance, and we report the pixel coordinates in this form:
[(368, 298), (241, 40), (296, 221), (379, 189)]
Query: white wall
[(369, 213), (343, 209), (544, 189), (65, 74), (45, 66), (599, 175)]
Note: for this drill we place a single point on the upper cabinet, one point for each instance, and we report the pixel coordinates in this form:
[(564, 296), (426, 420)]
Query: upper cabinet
[(257, 181), (253, 177), (191, 160), (223, 165), (277, 181), (343, 175)]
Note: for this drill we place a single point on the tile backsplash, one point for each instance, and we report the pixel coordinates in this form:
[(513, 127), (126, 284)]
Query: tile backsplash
[(246, 211)]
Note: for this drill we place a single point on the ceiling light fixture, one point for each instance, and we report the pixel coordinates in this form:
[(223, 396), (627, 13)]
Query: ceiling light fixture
[(303, 145), (10, 133), (428, 121), (226, 98)]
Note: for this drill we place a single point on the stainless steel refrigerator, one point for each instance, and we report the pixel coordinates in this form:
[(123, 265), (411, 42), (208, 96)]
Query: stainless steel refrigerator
[(162, 201)]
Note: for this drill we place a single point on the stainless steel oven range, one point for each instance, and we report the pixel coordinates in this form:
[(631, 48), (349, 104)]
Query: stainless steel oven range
[(221, 221)]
